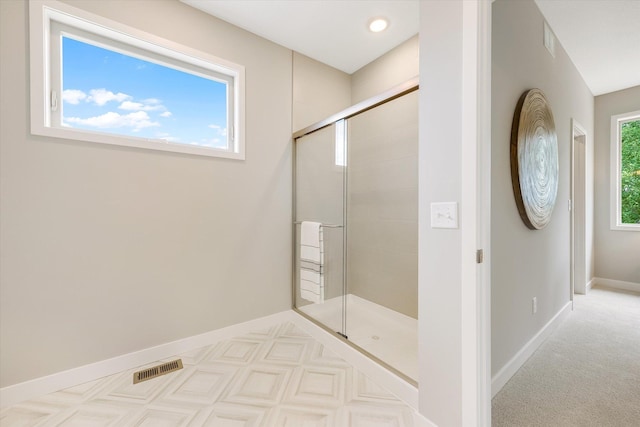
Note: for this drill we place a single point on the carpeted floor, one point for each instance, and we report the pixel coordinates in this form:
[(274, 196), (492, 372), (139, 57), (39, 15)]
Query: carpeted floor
[(586, 374)]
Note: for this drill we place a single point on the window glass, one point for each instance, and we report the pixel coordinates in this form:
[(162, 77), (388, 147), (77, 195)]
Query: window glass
[(630, 172), (107, 91)]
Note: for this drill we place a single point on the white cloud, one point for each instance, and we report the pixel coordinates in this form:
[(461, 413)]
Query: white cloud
[(136, 116), (102, 96), (137, 120), (139, 106), (221, 131), (131, 106), (73, 96)]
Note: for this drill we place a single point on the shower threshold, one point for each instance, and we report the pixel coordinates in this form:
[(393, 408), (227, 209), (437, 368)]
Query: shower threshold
[(387, 335)]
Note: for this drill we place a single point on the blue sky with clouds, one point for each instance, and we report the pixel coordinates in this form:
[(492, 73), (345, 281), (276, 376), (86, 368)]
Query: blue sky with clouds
[(106, 91)]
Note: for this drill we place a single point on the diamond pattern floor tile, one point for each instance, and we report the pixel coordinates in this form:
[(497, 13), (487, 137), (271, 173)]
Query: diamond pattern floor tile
[(163, 417), (294, 416), (22, 417), (203, 384), (237, 351), (319, 386), (274, 377), (229, 415)]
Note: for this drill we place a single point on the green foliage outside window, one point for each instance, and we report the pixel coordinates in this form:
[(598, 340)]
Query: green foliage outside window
[(630, 173)]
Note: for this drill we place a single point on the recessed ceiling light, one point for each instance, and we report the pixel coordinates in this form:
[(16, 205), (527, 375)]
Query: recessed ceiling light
[(378, 24)]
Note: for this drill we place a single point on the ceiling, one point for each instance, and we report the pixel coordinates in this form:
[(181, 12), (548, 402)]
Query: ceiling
[(602, 37), (334, 32)]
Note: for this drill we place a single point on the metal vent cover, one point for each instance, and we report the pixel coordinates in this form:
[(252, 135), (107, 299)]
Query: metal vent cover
[(156, 371)]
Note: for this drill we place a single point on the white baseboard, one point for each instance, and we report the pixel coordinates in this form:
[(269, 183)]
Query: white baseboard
[(500, 379), (590, 285), (40, 386), (616, 284), (584, 290)]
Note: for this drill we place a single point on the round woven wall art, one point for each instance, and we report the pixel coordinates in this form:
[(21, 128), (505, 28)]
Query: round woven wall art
[(534, 159)]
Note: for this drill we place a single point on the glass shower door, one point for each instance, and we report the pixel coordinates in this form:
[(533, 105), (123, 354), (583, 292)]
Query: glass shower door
[(358, 177), (382, 237), (320, 197)]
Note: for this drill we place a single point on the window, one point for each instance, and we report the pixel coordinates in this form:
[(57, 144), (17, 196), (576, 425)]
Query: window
[(625, 171), (96, 80)]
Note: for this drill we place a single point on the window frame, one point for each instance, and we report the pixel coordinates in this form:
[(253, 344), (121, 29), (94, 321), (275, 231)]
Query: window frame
[(68, 20), (616, 168)]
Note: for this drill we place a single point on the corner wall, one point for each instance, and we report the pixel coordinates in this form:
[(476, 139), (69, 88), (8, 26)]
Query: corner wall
[(319, 91), (617, 252), (107, 250), (526, 263), (391, 69)]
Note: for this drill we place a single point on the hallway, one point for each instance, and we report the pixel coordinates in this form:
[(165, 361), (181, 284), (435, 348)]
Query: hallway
[(586, 374)]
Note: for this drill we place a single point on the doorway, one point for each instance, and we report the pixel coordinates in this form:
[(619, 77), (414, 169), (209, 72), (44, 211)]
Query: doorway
[(578, 210)]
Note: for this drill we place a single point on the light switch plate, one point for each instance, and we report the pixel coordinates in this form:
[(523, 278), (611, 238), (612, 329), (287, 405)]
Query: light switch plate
[(444, 215)]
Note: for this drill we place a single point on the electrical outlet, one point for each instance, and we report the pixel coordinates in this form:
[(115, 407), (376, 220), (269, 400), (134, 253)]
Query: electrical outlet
[(534, 305)]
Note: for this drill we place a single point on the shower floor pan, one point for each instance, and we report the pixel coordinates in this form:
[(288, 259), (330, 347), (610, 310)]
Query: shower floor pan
[(388, 335)]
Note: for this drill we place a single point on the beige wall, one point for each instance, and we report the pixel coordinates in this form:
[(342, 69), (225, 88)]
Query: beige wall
[(382, 234), (393, 68), (617, 253), (528, 263), (318, 91), (107, 250)]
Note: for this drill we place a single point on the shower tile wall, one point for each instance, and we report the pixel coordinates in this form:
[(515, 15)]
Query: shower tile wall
[(382, 212)]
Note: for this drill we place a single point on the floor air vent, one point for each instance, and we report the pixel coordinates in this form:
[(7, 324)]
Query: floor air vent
[(157, 371)]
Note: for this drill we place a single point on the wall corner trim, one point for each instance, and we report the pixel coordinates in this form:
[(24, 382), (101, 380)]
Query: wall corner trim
[(511, 367), (20, 392), (616, 284)]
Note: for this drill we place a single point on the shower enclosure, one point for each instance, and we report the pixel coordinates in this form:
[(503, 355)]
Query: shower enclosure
[(356, 174)]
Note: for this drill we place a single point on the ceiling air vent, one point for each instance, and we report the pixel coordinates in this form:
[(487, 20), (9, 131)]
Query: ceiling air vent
[(157, 371), (549, 39)]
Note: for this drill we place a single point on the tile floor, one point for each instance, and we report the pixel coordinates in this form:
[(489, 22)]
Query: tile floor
[(279, 376)]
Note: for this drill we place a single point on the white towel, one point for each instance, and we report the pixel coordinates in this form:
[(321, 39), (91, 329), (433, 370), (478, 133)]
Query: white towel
[(311, 262)]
